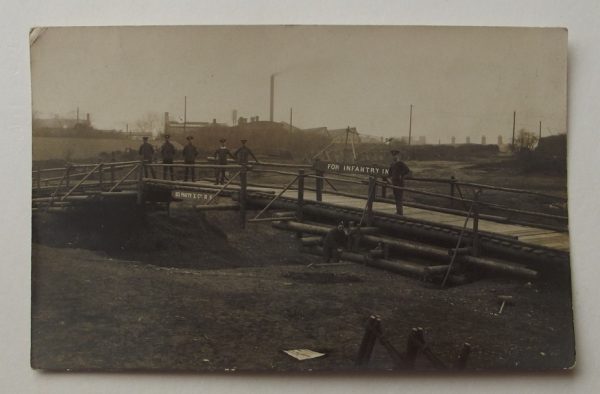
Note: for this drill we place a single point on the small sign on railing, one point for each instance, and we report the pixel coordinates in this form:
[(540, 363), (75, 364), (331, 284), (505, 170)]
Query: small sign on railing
[(348, 168), (201, 197)]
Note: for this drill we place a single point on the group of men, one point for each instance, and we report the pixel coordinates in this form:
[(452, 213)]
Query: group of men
[(190, 152)]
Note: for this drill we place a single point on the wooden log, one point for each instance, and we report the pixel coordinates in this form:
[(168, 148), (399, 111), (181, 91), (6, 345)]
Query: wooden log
[(397, 244), (459, 251), (310, 241), (399, 267), (436, 269), (501, 266), (272, 219)]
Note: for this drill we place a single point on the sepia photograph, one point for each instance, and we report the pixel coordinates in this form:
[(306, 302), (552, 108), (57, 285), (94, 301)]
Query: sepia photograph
[(300, 199)]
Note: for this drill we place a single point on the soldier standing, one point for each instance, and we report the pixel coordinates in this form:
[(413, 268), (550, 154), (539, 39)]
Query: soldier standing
[(241, 155), (146, 151), (189, 157), (398, 171), (333, 241), (167, 150), (221, 156)]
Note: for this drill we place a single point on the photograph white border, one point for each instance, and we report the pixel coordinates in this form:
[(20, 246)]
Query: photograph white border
[(581, 19)]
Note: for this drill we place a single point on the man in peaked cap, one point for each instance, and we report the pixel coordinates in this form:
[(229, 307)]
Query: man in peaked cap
[(397, 172), (221, 156), (241, 155), (189, 157), (146, 151), (333, 242), (167, 150)]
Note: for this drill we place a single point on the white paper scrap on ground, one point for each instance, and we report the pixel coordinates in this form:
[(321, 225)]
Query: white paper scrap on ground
[(303, 354)]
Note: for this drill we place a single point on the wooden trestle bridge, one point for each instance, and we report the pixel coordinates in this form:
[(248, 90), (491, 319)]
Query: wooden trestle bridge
[(464, 229)]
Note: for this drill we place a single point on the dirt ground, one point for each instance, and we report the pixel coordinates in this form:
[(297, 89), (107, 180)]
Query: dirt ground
[(194, 292)]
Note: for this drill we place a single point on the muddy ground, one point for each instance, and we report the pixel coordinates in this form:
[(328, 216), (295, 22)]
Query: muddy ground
[(114, 290), (194, 292)]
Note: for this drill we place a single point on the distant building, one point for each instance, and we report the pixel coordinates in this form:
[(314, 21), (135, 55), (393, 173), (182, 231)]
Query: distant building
[(171, 126), (61, 123)]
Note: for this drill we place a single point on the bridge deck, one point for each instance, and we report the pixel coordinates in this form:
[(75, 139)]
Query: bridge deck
[(537, 236)]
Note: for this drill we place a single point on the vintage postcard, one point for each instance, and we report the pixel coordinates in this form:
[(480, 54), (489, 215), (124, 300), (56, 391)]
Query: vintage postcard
[(300, 198)]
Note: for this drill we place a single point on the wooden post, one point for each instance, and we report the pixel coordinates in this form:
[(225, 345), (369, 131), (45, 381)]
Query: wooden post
[(112, 173), (140, 185), (372, 331), (461, 361), (370, 199), (452, 186), (300, 193), (476, 223), (412, 346), (101, 176), (243, 190), (68, 176), (319, 184), (39, 178), (383, 190)]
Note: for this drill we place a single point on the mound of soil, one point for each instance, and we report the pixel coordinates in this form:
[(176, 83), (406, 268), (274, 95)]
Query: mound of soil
[(184, 238)]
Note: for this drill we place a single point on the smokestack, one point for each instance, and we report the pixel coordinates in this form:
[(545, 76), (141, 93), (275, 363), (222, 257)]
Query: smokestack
[(166, 126), (87, 119), (272, 97)]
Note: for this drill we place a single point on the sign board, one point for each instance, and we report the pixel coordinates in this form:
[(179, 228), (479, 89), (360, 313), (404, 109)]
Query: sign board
[(358, 169), (201, 197)]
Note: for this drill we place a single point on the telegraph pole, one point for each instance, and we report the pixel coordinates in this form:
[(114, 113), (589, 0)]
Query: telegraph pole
[(540, 130), (184, 113), (410, 125), (514, 124), (291, 111)]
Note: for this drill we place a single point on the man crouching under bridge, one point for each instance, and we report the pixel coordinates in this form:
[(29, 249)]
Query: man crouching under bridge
[(333, 242), (398, 171)]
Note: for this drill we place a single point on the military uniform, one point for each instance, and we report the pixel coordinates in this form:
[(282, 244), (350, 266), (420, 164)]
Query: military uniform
[(334, 239), (147, 152), (189, 157), (221, 156), (167, 150), (241, 155), (398, 170)]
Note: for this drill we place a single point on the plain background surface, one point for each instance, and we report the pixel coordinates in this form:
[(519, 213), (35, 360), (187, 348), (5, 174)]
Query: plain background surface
[(16, 17)]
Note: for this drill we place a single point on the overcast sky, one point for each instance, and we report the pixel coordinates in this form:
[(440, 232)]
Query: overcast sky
[(461, 81)]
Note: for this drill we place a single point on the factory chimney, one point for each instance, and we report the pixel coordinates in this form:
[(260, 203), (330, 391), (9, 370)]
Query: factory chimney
[(272, 97)]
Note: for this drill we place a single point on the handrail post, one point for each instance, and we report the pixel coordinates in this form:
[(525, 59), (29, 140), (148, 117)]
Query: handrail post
[(39, 178), (101, 176), (319, 184), (452, 182), (68, 176), (383, 190), (300, 193), (476, 223), (243, 190), (370, 199), (140, 185)]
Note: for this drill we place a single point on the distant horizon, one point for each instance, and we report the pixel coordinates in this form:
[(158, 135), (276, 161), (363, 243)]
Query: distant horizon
[(462, 81)]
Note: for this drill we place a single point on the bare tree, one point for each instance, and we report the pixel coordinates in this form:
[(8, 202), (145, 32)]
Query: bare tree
[(149, 123), (525, 140)]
